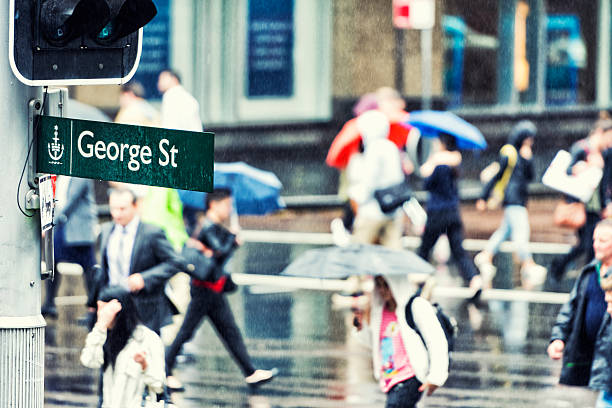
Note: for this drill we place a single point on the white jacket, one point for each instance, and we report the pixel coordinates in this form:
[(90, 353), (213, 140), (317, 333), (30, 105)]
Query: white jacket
[(380, 166), (430, 361), (180, 110), (124, 385)]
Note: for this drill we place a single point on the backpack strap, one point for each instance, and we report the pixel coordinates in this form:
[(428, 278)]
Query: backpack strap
[(409, 316)]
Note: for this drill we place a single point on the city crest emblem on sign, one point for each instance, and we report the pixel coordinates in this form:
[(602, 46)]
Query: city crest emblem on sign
[(55, 149)]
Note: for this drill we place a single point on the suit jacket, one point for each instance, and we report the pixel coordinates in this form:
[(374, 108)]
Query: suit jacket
[(154, 258), (79, 214)]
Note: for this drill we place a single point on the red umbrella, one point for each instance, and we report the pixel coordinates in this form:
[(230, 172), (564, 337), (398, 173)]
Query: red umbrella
[(347, 141)]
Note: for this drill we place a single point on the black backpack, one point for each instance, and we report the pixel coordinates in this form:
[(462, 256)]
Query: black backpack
[(448, 323)]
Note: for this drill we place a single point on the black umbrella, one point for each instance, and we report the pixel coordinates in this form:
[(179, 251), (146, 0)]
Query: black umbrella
[(356, 259)]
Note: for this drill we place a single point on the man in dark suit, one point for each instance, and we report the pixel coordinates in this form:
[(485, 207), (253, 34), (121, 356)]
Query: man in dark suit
[(138, 256), (74, 237)]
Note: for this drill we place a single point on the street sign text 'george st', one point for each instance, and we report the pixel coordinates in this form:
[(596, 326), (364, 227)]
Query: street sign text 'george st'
[(132, 154)]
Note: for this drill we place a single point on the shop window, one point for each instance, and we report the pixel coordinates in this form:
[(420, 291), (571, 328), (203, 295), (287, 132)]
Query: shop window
[(470, 30), (571, 34)]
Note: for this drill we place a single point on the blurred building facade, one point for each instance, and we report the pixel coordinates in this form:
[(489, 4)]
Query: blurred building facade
[(276, 78)]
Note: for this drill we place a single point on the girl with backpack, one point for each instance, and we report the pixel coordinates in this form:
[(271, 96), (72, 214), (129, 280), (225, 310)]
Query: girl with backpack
[(406, 363)]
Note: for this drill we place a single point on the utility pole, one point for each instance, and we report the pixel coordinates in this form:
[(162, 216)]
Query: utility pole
[(22, 327)]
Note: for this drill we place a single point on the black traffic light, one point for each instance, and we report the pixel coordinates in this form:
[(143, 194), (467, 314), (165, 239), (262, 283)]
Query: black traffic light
[(77, 41)]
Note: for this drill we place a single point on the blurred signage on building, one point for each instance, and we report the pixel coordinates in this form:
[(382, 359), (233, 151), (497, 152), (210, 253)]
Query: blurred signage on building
[(414, 14), (155, 50), (270, 48)]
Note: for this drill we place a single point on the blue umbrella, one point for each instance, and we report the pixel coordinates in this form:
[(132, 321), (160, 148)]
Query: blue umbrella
[(255, 191), (432, 123)]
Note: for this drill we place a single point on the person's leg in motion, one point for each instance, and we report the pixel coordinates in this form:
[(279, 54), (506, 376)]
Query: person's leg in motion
[(222, 318), (196, 311)]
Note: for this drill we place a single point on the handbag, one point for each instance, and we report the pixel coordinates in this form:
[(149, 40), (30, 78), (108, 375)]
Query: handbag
[(390, 198), (570, 215), (199, 266)]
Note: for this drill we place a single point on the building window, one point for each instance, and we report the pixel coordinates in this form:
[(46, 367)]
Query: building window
[(470, 52), (571, 33), (257, 62), (270, 49)]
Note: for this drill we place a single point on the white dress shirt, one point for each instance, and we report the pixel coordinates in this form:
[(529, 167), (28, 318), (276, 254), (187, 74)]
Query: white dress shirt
[(119, 252), (180, 110)]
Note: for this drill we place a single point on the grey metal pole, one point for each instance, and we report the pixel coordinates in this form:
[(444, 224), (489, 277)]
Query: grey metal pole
[(399, 55), (21, 324), (426, 67)]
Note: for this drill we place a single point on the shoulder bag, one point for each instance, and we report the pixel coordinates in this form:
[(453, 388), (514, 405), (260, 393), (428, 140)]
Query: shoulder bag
[(392, 197)]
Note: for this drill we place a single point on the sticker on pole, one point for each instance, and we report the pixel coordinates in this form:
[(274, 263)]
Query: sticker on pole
[(45, 189), (414, 14)]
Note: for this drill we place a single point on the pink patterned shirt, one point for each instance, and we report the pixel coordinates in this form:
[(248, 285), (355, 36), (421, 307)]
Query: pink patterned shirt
[(395, 365)]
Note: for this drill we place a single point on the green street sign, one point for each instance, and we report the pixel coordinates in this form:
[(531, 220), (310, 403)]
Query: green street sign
[(132, 154)]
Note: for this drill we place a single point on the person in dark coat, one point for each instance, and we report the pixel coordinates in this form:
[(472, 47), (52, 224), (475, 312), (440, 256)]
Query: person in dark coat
[(590, 150), (74, 236), (601, 372), (208, 297), (138, 257), (511, 181), (441, 171), (580, 336)]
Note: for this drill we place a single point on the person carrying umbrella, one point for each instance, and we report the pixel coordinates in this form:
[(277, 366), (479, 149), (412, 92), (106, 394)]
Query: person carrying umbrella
[(441, 171), (346, 151), (381, 168), (509, 185), (405, 363)]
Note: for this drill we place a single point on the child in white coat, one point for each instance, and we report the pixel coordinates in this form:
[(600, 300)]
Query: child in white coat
[(405, 364)]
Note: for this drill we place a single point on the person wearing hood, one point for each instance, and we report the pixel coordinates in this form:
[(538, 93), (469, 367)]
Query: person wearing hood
[(405, 363), (381, 168), (509, 186)]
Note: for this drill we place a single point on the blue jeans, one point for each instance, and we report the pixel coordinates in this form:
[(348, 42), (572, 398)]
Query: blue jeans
[(404, 395), (604, 400), (516, 225)]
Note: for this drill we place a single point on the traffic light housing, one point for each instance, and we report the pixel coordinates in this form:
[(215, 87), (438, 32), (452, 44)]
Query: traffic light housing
[(76, 42)]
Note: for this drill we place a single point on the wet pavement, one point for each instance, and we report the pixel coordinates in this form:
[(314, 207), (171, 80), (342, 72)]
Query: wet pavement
[(499, 361)]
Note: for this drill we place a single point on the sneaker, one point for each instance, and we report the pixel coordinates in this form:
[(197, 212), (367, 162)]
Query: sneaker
[(174, 384), (475, 288), (482, 258), (340, 235), (49, 311), (487, 271), (260, 377), (533, 276)]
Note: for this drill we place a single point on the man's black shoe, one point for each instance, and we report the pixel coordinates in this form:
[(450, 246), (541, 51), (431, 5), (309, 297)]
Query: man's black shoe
[(49, 311)]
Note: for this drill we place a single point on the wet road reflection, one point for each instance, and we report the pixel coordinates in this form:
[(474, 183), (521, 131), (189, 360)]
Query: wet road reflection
[(499, 362)]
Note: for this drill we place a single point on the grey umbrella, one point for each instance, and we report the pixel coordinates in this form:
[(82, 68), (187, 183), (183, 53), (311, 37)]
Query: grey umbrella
[(357, 259)]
